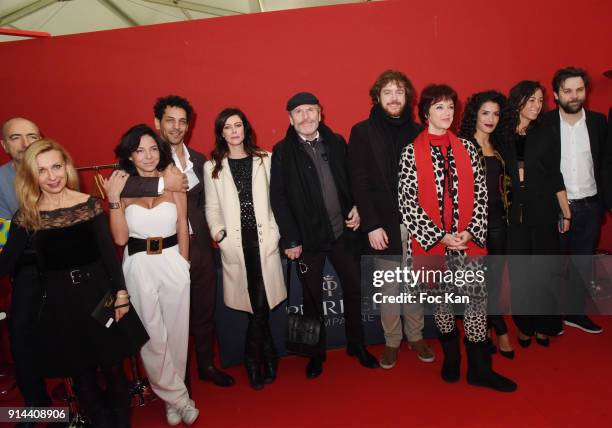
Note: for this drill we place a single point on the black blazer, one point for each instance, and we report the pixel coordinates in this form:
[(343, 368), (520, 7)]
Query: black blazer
[(537, 203), (375, 196), (144, 186), (600, 149)]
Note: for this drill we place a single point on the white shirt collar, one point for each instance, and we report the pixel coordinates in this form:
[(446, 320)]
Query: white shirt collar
[(188, 163), (578, 122)]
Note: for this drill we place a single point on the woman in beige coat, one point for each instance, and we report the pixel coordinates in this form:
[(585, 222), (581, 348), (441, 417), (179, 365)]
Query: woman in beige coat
[(237, 187)]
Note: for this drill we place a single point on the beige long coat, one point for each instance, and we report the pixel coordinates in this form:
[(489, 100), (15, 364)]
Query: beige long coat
[(223, 212)]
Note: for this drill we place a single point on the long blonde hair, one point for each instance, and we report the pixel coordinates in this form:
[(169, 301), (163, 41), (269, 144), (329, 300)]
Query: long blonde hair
[(26, 181)]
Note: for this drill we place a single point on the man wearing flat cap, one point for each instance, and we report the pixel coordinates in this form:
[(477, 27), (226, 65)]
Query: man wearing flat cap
[(313, 206)]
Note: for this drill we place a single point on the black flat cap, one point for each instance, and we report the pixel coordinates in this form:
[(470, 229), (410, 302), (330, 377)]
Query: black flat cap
[(301, 98)]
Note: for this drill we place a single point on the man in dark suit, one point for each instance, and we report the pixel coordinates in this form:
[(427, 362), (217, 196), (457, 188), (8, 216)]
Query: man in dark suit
[(17, 135), (586, 164), (375, 147), (173, 115), (313, 206)]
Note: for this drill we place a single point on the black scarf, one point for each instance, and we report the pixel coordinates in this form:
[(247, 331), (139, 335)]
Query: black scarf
[(397, 132)]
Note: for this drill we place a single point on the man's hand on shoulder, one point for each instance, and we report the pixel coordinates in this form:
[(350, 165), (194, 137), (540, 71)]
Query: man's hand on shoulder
[(175, 180)]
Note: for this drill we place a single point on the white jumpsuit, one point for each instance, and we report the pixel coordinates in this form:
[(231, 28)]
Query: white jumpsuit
[(159, 288)]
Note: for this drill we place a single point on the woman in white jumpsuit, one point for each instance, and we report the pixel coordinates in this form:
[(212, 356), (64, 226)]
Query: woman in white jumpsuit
[(155, 267)]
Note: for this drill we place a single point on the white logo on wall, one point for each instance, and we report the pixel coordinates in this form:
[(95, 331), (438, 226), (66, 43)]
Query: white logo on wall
[(329, 285)]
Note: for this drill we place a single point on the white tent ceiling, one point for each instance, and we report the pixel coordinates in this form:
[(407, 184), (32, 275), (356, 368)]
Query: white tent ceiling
[(59, 17)]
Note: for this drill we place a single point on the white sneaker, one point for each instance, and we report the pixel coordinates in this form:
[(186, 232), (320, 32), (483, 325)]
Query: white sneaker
[(189, 413), (172, 416)]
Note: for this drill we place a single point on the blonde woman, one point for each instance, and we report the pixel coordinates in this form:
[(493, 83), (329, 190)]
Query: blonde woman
[(241, 222), (74, 251)]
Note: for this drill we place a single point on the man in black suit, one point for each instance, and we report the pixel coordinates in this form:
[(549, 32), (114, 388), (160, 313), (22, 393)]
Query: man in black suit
[(375, 147), (586, 164), (173, 115), (313, 206)]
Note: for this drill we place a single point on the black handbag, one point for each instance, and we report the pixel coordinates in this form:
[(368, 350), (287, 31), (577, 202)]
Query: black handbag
[(104, 312), (303, 332)]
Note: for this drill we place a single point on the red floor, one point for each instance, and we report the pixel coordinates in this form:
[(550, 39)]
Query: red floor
[(566, 385)]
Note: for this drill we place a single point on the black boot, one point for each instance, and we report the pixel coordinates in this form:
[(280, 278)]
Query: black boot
[(452, 356), (253, 355), (92, 401), (270, 358), (480, 372), (118, 391), (254, 374)]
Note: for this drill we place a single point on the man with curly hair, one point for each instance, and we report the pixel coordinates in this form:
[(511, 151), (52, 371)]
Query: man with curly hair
[(375, 146)]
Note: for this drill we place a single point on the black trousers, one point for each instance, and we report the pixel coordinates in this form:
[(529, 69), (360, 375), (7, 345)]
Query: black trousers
[(259, 344), (25, 306), (348, 268), (535, 277), (203, 295), (496, 249), (580, 241)]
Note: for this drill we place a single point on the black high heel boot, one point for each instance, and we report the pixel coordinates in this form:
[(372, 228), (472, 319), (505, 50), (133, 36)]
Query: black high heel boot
[(253, 356), (480, 371), (118, 391), (270, 357), (452, 356), (91, 400), (254, 374)]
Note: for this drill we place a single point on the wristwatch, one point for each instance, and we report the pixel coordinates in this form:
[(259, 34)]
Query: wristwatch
[(224, 234), (114, 205)]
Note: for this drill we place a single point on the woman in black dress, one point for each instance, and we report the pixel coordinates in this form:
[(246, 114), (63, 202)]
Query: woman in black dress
[(480, 125), (75, 254), (538, 212)]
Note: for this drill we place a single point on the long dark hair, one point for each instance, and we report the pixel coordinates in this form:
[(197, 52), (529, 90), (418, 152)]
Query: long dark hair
[(470, 116), (221, 149), (517, 99), (130, 142)]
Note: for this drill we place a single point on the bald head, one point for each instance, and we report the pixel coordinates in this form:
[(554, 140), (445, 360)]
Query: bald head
[(17, 134)]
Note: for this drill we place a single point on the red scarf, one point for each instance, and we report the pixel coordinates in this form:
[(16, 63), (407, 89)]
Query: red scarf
[(427, 193)]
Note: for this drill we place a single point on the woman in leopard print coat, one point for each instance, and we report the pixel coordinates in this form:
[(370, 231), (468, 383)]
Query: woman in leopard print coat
[(443, 203)]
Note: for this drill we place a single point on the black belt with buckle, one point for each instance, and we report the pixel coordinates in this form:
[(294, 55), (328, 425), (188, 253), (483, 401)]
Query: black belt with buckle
[(153, 245), (593, 198)]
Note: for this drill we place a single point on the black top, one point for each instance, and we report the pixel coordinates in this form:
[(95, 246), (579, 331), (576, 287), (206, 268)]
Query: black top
[(68, 238), (494, 176), (519, 144), (318, 153), (78, 265), (242, 172)]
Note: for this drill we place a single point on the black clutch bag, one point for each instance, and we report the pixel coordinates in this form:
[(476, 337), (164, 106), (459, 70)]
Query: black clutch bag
[(104, 312), (302, 332)]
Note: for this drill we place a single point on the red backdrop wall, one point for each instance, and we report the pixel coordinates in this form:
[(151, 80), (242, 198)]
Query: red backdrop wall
[(85, 90)]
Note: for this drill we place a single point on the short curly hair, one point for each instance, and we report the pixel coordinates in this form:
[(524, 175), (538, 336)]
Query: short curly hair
[(387, 77), (172, 101), (432, 94)]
